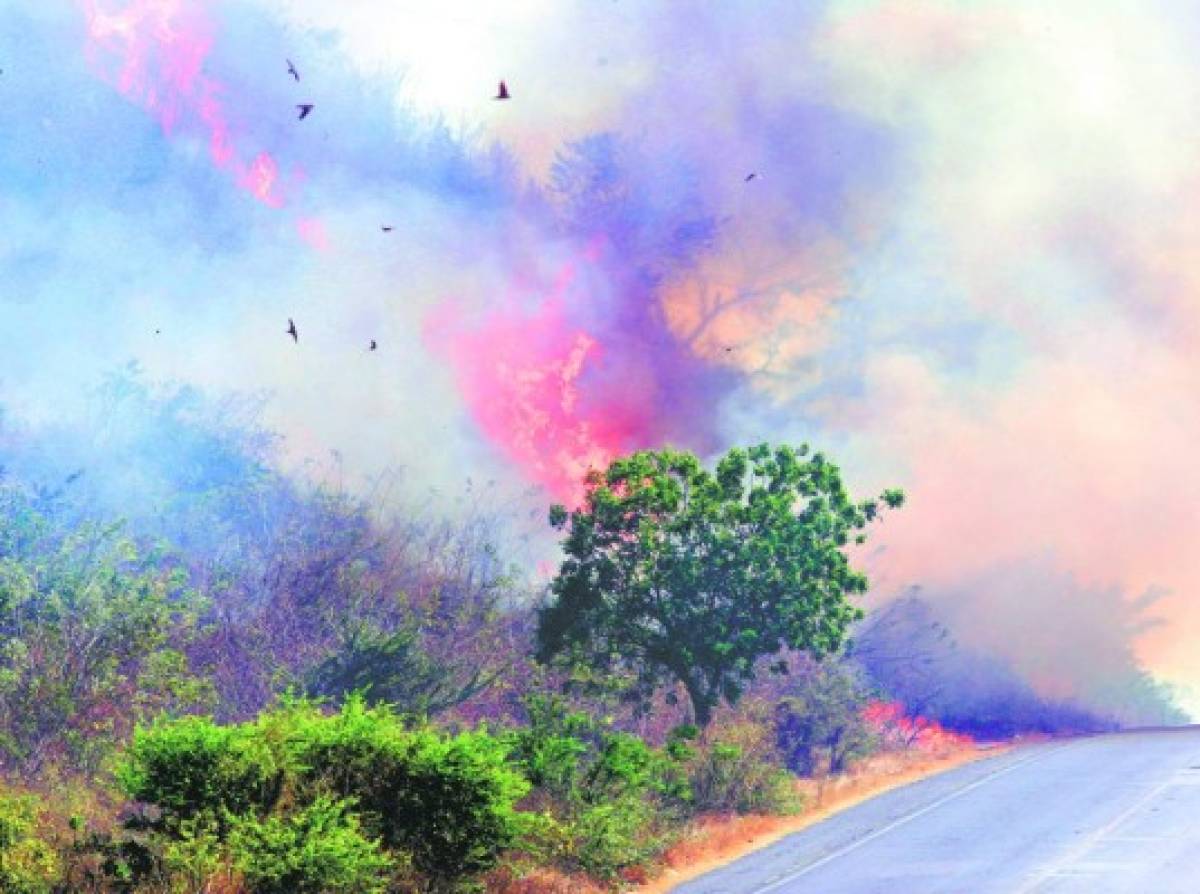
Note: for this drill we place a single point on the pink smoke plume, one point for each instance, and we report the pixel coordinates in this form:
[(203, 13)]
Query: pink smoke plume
[(153, 52), (534, 383), (313, 233)]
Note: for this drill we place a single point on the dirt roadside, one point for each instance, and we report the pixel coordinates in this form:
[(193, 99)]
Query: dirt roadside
[(716, 841)]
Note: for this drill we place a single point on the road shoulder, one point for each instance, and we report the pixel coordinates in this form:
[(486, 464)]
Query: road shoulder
[(715, 842)]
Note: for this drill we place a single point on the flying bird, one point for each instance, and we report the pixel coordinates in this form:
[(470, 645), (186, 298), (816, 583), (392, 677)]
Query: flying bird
[(373, 345), (305, 108), (292, 70), (387, 229), (291, 330), (502, 92), (750, 177)]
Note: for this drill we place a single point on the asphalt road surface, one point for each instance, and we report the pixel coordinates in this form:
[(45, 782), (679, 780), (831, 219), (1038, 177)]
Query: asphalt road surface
[(1114, 813)]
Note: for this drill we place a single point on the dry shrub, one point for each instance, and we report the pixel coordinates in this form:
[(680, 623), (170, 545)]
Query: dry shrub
[(225, 883), (717, 838), (738, 768), (713, 837), (899, 729), (539, 881)]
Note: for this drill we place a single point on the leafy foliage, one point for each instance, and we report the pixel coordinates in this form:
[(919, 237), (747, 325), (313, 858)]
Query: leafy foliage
[(550, 750), (573, 757), (737, 768), (28, 864), (608, 794), (688, 575), (316, 850), (443, 804), (447, 802), (192, 767), (609, 836)]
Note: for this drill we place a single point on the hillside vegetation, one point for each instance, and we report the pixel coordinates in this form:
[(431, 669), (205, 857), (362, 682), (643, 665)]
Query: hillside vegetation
[(217, 678)]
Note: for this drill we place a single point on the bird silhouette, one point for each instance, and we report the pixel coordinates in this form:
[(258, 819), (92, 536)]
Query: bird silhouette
[(502, 92), (305, 108), (291, 330), (373, 345), (387, 229), (750, 177), (292, 70)]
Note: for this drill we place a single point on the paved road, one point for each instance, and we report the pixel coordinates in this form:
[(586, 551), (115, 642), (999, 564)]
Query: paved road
[(1116, 813)]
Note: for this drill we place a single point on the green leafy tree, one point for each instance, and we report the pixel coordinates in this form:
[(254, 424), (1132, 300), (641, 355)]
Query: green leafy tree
[(681, 574)]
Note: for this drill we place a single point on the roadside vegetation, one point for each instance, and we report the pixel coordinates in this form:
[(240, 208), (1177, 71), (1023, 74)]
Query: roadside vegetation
[(214, 678)]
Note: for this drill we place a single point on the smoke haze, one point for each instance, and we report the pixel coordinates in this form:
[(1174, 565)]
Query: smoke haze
[(962, 266)]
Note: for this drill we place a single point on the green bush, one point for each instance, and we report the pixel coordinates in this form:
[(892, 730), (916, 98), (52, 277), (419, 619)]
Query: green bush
[(613, 835), (738, 771), (297, 784), (447, 802), (192, 767), (551, 750), (627, 766), (609, 794), (630, 794), (190, 858), (28, 864), (317, 850), (394, 668), (573, 758)]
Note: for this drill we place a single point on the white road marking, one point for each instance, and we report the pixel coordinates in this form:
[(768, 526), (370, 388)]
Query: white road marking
[(1062, 865), (906, 819)]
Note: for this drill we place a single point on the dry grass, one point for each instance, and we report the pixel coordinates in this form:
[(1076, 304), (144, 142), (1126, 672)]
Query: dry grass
[(711, 841), (225, 883), (540, 881), (716, 840)]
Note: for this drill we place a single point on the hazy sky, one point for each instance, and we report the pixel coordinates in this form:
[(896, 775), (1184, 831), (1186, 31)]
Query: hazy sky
[(965, 264)]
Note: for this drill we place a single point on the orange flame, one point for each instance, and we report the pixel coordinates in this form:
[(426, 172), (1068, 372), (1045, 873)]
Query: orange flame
[(897, 729), (153, 52), (520, 370)]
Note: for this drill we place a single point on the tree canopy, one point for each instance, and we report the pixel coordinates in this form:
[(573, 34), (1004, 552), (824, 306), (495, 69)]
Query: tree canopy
[(675, 573)]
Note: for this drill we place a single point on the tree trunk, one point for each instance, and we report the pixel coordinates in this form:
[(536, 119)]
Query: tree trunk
[(702, 706)]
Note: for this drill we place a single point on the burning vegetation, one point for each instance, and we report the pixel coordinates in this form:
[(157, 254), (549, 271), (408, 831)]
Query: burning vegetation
[(245, 667), (222, 672)]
